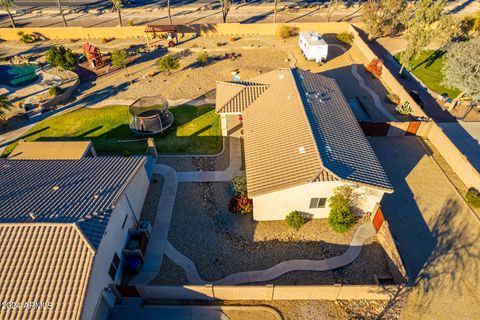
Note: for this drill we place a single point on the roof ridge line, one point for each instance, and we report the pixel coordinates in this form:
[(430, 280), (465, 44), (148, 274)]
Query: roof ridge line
[(298, 82), (84, 237)]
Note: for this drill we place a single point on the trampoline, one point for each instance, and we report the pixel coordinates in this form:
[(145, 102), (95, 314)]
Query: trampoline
[(150, 115)]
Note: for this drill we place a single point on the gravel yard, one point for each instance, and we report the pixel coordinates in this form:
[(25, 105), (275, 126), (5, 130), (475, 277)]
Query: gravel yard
[(221, 243)]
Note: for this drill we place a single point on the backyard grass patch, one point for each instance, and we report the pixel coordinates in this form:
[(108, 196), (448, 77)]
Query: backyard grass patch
[(196, 130), (428, 68)]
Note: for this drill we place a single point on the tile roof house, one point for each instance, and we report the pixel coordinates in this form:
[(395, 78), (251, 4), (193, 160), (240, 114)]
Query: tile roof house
[(301, 142), (63, 225)]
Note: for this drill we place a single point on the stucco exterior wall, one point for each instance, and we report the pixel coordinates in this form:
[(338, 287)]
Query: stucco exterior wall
[(114, 240), (276, 205)]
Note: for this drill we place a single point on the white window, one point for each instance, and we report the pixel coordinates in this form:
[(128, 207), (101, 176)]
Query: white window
[(317, 203)]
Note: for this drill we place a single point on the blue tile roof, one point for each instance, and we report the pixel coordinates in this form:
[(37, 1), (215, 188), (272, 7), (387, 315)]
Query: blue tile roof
[(65, 191), (343, 147)]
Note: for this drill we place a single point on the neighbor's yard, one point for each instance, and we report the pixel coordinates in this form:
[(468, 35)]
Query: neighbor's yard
[(196, 130), (428, 68)]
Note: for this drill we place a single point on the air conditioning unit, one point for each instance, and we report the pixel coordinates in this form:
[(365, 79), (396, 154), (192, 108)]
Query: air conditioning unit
[(146, 226)]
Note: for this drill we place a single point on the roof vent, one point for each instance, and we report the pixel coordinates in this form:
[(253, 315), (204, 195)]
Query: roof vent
[(301, 150), (32, 215), (281, 77), (55, 188)]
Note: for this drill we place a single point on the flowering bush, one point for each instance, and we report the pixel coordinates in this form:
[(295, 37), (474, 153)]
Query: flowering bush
[(375, 68), (241, 204)]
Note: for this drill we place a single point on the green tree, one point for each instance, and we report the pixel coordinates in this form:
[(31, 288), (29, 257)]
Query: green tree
[(472, 23), (462, 68), (59, 3), (225, 6), (59, 56), (119, 59), (423, 25), (117, 4), (168, 63), (341, 218), (7, 5), (382, 17), (5, 105)]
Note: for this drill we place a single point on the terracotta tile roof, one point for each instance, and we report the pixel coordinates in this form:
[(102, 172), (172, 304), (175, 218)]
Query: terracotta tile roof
[(234, 97), (65, 191), (44, 263), (293, 138), (50, 150)]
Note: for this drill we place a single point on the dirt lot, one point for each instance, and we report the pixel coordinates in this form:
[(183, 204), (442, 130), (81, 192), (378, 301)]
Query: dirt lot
[(221, 243)]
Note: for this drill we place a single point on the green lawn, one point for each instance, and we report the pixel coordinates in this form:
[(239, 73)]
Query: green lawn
[(195, 130), (428, 68)]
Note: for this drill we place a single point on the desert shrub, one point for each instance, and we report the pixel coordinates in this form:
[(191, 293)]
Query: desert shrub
[(131, 23), (404, 108), (105, 40), (168, 63), (393, 99), (239, 185), (241, 204), (25, 37), (285, 31), (54, 91), (473, 198), (375, 68), (345, 37), (295, 220), (203, 58), (341, 218), (59, 56)]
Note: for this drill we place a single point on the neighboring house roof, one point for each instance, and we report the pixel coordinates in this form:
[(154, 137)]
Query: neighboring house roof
[(50, 150), (44, 263), (301, 130), (65, 191), (233, 97)]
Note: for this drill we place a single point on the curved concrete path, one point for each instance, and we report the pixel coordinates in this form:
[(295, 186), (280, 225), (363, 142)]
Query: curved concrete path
[(364, 232), (361, 82)]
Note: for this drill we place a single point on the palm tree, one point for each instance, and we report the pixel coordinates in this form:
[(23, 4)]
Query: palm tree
[(59, 2), (5, 105), (7, 5), (118, 6), (275, 11), (169, 14)]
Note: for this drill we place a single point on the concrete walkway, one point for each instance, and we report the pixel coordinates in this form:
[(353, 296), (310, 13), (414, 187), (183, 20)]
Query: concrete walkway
[(361, 82), (364, 232), (158, 239)]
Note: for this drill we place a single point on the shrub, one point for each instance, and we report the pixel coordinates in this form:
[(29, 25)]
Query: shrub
[(25, 37), (241, 204), (239, 185), (131, 23), (295, 220), (345, 37), (168, 63), (54, 91), (375, 68), (341, 217), (285, 31), (404, 108), (119, 58), (203, 58), (473, 198), (63, 58), (393, 99)]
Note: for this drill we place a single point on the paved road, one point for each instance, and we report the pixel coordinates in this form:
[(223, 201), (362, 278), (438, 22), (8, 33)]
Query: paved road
[(435, 231)]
